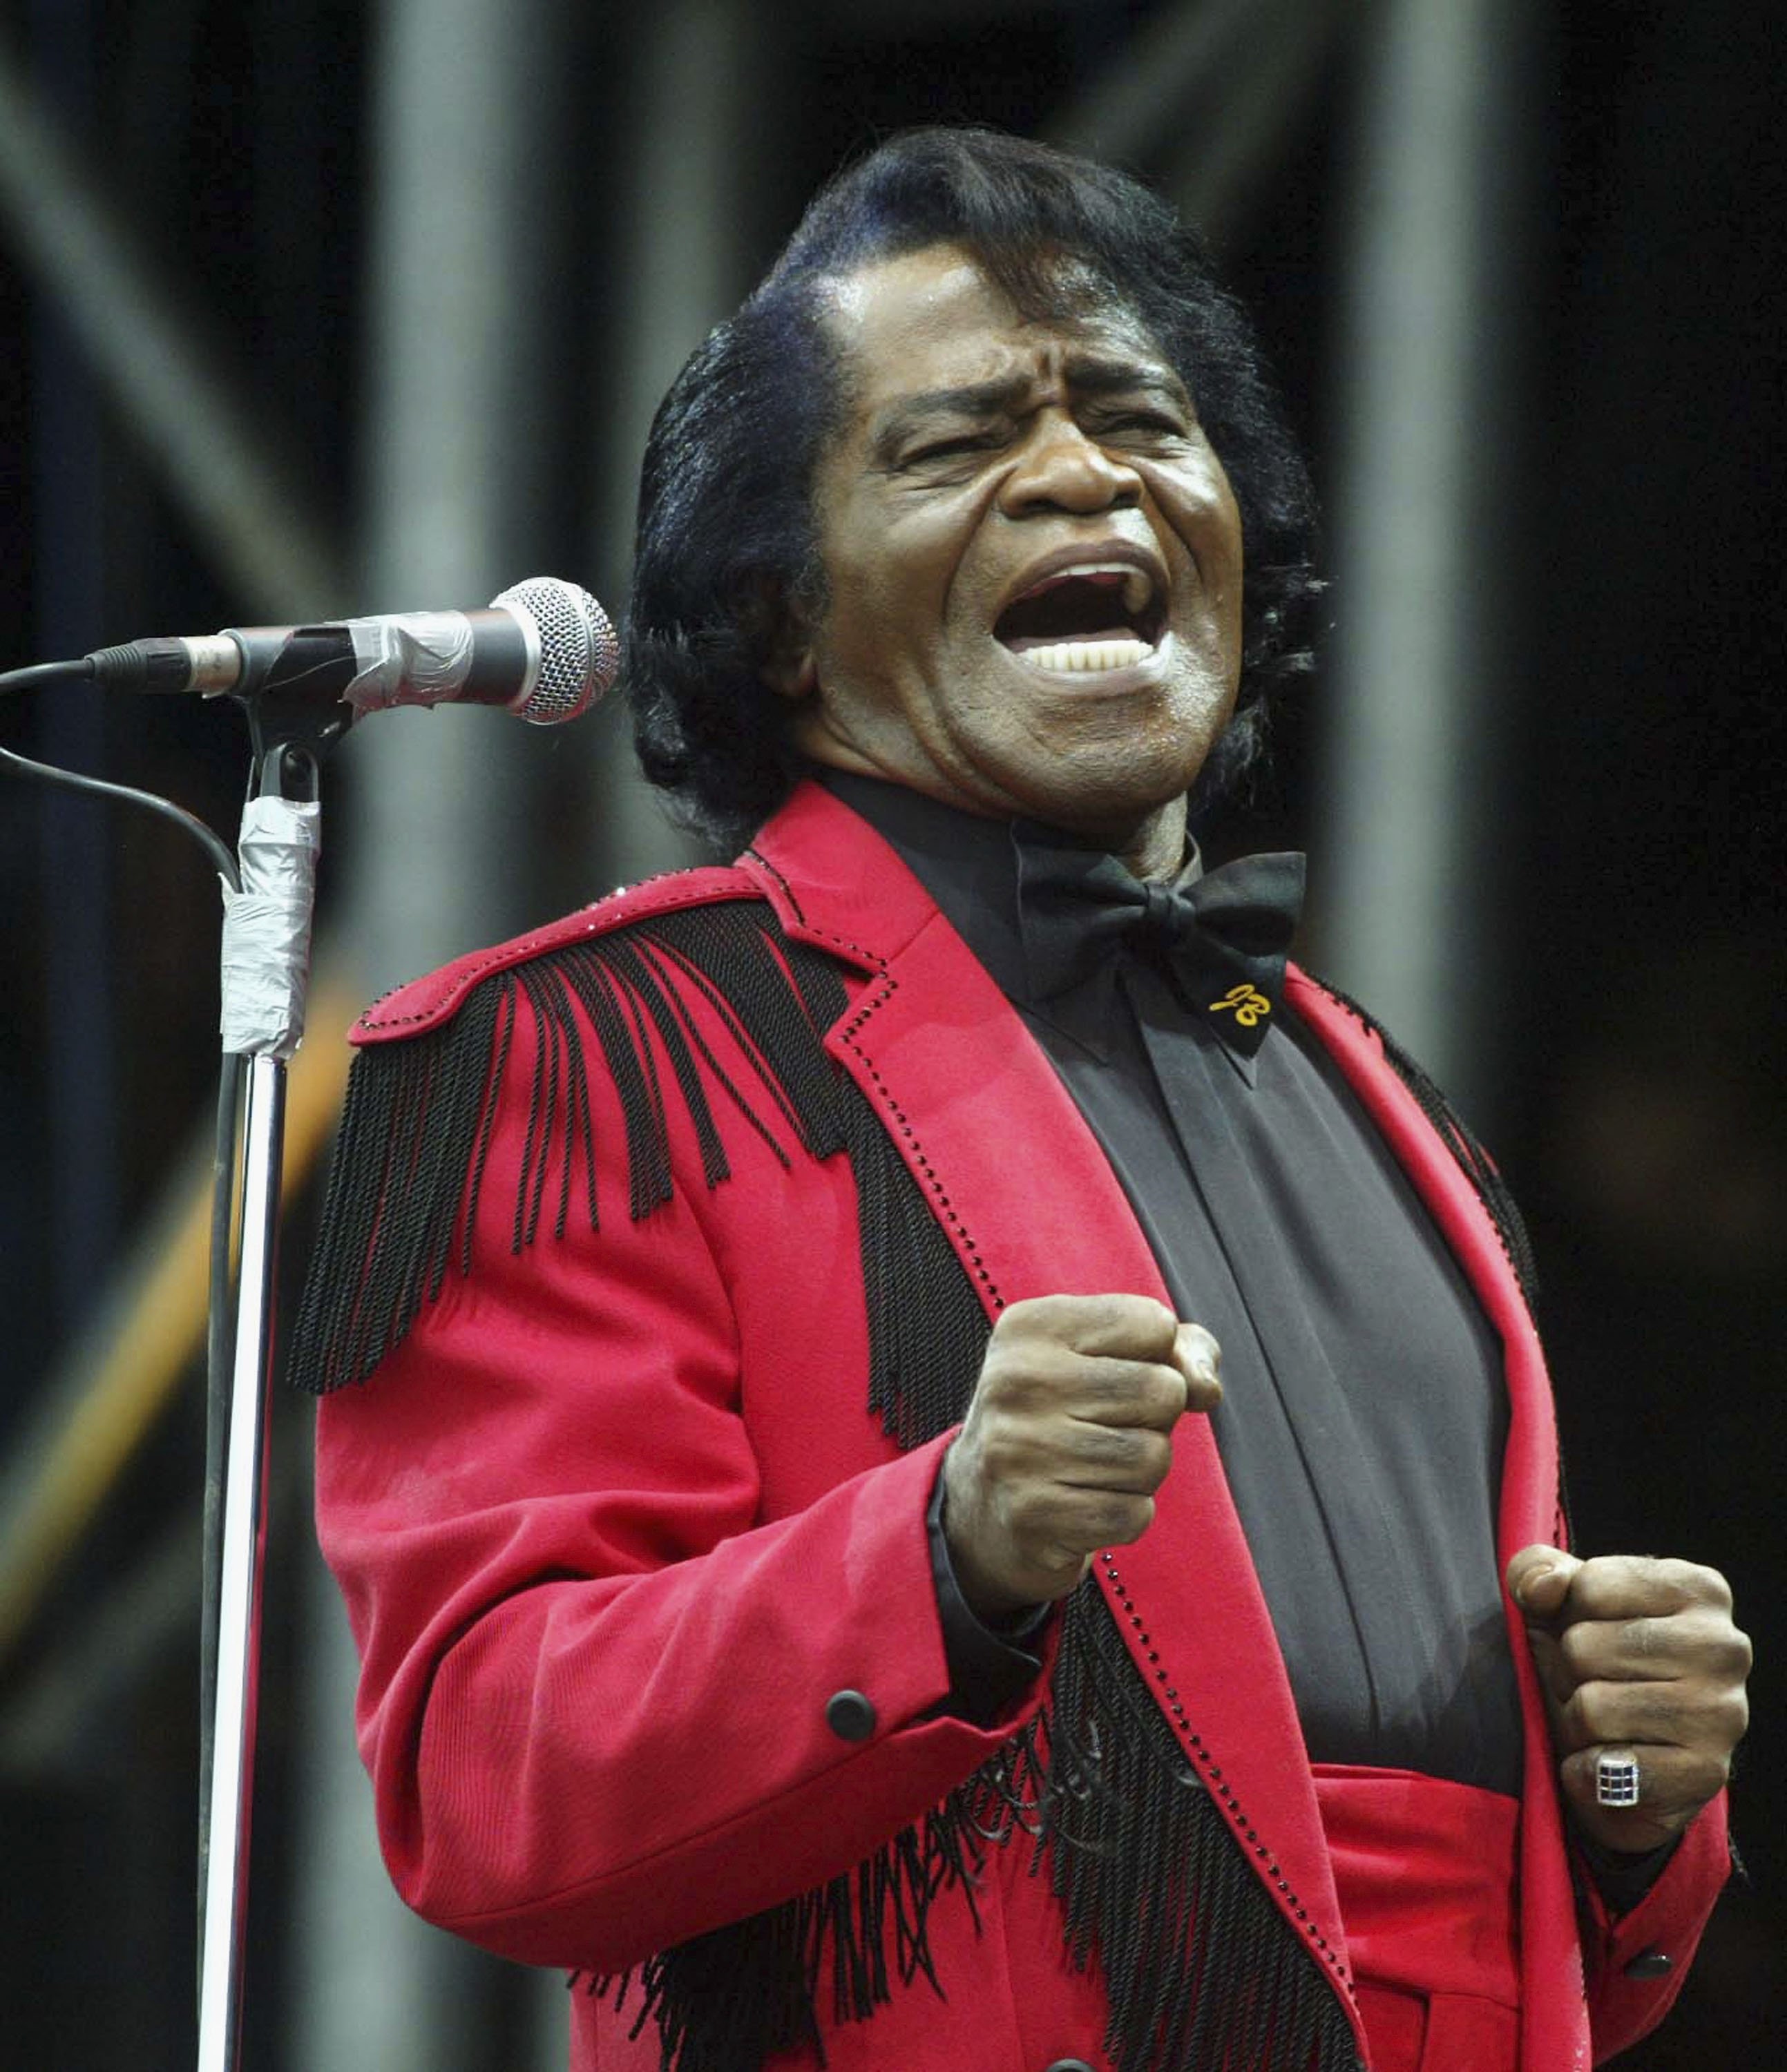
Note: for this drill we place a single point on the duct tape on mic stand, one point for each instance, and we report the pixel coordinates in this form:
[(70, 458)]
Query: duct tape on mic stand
[(266, 939)]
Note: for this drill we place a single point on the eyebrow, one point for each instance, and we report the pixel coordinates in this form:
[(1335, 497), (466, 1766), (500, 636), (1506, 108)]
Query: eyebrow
[(1004, 393)]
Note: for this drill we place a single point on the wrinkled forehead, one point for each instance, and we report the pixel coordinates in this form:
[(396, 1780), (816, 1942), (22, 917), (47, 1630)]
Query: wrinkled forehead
[(937, 317)]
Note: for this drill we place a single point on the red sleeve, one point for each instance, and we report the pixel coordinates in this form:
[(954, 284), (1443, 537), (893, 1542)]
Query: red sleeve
[(595, 1678), (1636, 1964)]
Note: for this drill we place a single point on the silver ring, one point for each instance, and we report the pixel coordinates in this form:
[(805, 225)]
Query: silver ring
[(1616, 1780)]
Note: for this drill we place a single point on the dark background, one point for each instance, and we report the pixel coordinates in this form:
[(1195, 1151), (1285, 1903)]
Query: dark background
[(1636, 1034)]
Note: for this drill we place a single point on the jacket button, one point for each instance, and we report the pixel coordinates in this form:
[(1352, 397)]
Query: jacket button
[(850, 1716), (1650, 1964), (1069, 2064)]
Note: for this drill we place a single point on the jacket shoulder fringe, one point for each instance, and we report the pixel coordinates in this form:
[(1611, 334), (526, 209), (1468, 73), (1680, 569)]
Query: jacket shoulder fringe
[(425, 1003), (669, 979)]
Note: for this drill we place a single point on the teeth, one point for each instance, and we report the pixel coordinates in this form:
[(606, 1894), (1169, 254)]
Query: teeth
[(1136, 587), (1087, 657)]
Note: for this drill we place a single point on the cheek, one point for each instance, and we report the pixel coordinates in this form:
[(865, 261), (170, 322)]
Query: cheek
[(873, 585), (1199, 505), (852, 635)]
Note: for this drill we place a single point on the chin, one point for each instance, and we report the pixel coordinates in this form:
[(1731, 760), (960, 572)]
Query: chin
[(1112, 808), (1125, 784)]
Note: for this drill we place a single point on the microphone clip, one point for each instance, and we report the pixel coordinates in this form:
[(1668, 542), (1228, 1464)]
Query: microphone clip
[(292, 695)]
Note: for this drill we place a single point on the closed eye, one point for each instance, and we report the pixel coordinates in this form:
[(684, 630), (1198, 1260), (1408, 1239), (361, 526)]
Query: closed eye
[(963, 443), (1151, 421)]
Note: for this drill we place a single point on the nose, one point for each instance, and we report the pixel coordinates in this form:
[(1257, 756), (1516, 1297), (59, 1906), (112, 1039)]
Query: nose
[(1060, 469)]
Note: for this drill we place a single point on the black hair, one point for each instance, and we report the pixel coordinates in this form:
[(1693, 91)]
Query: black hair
[(727, 539)]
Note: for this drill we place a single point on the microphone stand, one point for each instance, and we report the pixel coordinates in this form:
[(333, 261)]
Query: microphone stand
[(294, 716)]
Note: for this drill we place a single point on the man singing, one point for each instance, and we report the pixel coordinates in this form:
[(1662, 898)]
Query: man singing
[(941, 1463)]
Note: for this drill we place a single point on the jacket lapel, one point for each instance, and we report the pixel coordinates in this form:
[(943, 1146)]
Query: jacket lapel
[(1552, 2002), (1031, 1204)]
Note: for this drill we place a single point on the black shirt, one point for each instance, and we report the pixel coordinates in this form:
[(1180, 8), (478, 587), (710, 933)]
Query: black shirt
[(1363, 1411)]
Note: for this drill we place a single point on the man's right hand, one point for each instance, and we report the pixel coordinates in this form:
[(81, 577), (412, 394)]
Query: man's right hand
[(1066, 1440)]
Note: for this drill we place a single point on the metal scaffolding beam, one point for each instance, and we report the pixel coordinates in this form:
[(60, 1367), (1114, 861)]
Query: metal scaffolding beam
[(1412, 735), (467, 170), (705, 81)]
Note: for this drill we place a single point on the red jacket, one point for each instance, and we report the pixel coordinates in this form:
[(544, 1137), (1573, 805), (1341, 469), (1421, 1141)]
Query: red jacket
[(614, 1524)]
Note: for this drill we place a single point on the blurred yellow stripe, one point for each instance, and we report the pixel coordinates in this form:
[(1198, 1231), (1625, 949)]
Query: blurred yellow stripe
[(108, 1391)]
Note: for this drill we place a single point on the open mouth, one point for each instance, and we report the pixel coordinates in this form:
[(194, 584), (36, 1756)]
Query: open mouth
[(1092, 617)]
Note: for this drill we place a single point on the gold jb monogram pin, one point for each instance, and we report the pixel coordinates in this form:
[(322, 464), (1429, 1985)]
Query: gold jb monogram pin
[(1249, 1003)]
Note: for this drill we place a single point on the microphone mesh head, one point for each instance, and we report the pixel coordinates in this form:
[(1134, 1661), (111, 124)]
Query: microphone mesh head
[(579, 655)]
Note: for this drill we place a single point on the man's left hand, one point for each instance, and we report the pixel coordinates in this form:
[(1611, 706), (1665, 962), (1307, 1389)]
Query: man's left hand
[(1639, 1660)]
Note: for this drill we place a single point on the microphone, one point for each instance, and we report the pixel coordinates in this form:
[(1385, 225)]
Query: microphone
[(543, 649)]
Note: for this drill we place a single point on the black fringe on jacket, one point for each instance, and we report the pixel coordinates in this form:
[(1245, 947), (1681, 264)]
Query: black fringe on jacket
[(1203, 1972)]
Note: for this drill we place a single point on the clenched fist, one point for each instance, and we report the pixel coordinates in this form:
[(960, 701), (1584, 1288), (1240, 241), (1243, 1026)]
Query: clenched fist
[(1640, 1660), (1066, 1440)]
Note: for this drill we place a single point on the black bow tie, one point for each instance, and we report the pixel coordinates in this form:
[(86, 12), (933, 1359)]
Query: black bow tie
[(1221, 938)]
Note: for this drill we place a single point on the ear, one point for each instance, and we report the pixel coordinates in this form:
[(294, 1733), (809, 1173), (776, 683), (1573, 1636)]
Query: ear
[(794, 677), (789, 667)]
